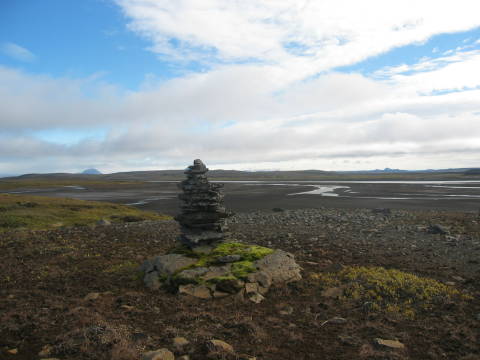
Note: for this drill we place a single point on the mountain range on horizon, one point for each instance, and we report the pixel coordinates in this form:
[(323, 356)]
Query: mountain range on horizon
[(158, 175)]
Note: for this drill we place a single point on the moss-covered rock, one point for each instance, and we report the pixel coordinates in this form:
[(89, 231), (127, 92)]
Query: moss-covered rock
[(226, 268)]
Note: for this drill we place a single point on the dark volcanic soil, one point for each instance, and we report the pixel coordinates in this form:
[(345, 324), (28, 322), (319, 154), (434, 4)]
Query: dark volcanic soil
[(46, 275)]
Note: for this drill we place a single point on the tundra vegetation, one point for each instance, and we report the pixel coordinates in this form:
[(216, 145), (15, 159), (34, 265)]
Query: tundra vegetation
[(40, 212), (388, 290)]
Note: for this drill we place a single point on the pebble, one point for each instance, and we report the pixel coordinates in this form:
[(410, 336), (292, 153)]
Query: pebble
[(220, 345), (335, 320), (92, 296), (392, 344), (256, 298), (287, 310), (160, 354), (46, 350), (180, 342)]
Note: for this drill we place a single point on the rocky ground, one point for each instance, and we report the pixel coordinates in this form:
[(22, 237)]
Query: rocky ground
[(75, 293)]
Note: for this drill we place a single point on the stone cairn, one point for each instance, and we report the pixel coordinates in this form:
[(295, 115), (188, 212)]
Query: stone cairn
[(206, 269), (202, 220)]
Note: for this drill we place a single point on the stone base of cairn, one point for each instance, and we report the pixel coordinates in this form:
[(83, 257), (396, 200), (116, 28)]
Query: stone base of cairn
[(207, 266)]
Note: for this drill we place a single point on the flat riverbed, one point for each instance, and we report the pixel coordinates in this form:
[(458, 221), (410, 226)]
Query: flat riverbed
[(244, 196)]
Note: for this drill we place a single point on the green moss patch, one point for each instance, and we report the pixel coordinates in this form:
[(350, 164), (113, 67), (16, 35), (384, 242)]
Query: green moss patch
[(239, 269), (389, 290), (247, 253), (41, 212)]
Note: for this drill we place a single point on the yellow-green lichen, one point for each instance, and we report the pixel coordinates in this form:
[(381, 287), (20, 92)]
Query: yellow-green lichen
[(389, 290)]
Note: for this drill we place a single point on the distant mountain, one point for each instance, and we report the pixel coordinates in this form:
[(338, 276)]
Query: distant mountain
[(390, 171), (236, 175), (159, 175), (473, 172), (91, 172)]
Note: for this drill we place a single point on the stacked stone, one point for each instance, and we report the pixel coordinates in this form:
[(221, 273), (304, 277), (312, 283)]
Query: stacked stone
[(203, 214)]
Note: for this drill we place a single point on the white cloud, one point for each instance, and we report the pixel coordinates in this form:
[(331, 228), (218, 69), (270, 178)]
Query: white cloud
[(317, 123), (271, 98), (17, 52), (300, 37)]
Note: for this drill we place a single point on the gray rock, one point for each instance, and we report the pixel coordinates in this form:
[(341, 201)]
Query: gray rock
[(152, 281), (171, 263), (260, 277), (203, 249), (382, 211), (146, 266), (229, 258), (437, 229), (217, 271), (192, 274), (280, 267)]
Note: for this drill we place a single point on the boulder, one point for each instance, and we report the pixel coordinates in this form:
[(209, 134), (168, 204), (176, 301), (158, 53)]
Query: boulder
[(280, 267), (171, 263)]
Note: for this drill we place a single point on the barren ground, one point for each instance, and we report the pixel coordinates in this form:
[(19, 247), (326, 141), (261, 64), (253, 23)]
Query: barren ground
[(46, 275)]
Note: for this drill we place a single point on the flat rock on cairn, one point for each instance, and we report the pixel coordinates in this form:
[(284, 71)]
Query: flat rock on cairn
[(205, 265)]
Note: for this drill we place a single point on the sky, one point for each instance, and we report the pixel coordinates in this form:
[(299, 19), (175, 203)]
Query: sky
[(125, 85)]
